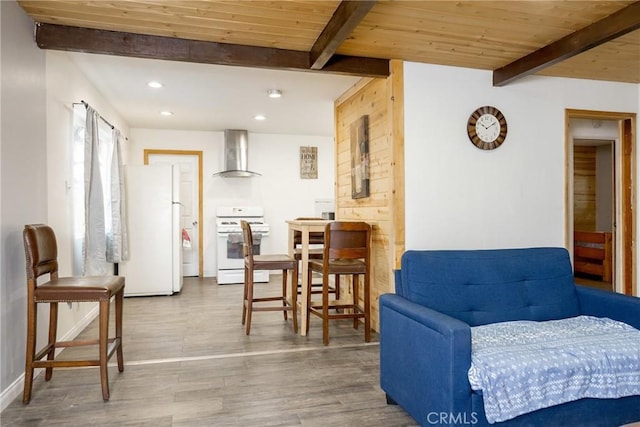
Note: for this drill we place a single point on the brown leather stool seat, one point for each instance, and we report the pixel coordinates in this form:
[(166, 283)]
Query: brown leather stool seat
[(41, 255)]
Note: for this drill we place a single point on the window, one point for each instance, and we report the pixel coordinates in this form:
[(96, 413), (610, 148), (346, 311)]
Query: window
[(105, 147)]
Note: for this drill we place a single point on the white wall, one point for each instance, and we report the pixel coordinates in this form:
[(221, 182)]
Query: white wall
[(458, 196), (585, 129), (23, 188), (2, 260), (279, 190)]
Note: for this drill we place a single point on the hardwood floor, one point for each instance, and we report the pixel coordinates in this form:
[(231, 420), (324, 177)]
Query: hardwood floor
[(593, 283), (188, 362)]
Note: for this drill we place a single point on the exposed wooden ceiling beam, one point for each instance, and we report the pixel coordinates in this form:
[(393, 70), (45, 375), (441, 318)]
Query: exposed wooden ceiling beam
[(77, 39), (613, 26), (344, 20)]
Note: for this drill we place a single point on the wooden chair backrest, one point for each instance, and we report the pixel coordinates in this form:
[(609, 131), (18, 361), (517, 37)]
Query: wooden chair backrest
[(247, 241), (347, 240), (41, 251)]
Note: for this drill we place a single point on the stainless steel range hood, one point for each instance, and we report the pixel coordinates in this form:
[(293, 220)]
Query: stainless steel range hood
[(236, 155)]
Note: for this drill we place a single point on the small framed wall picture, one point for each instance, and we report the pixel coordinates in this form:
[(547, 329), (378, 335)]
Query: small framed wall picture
[(309, 162)]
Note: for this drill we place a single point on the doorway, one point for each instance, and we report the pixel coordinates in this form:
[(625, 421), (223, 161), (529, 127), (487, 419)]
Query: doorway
[(190, 164), (594, 210), (585, 131)]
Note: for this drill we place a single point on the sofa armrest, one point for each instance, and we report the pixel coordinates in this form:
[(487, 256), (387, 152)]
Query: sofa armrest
[(424, 358), (623, 308)]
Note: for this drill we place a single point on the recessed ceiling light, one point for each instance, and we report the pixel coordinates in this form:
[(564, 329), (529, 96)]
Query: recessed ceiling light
[(260, 117), (166, 113), (274, 93), (155, 85)]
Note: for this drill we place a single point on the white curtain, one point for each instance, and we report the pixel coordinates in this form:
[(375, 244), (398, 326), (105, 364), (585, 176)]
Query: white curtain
[(95, 242), (117, 240)]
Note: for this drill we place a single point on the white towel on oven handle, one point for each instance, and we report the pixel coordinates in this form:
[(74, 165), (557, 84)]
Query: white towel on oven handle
[(186, 239)]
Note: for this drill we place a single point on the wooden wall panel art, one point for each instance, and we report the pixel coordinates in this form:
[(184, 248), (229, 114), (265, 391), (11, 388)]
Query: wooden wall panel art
[(360, 158)]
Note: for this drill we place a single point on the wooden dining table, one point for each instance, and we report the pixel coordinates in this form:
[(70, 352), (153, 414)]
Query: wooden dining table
[(304, 226)]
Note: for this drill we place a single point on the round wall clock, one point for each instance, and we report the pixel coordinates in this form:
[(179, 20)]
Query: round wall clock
[(487, 128)]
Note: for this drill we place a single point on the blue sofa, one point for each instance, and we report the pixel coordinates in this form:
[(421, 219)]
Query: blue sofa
[(425, 337)]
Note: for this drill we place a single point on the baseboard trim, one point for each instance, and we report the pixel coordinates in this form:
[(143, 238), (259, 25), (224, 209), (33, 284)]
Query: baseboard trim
[(16, 388)]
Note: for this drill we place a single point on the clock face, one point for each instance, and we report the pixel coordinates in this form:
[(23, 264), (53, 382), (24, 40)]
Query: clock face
[(487, 128)]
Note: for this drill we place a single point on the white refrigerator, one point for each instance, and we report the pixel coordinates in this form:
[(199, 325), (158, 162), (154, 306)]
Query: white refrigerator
[(154, 266)]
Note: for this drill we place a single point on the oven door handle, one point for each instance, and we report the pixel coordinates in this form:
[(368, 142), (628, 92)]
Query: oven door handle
[(226, 233)]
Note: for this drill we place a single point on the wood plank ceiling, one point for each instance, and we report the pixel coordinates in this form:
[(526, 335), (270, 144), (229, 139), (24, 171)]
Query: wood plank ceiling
[(597, 40)]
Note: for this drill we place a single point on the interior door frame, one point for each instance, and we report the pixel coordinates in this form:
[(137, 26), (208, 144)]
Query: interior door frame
[(147, 153), (625, 157)]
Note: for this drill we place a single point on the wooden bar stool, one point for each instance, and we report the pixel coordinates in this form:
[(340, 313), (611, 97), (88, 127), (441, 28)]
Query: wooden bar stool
[(347, 251), (267, 262), (41, 253)]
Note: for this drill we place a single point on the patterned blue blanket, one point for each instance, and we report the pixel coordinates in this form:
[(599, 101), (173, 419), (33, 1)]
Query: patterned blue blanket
[(523, 366)]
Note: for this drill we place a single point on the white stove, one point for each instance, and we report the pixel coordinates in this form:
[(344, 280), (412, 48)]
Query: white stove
[(229, 236)]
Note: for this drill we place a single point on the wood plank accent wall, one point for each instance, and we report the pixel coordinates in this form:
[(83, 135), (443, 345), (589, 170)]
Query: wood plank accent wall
[(584, 188), (382, 101)]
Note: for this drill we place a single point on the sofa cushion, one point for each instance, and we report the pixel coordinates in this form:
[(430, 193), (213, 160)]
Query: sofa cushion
[(487, 286)]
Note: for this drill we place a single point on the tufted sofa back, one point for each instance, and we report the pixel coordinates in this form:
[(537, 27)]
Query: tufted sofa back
[(488, 286)]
